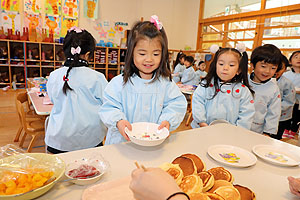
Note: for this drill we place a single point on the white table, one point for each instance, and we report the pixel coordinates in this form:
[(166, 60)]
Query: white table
[(268, 181), (37, 102)]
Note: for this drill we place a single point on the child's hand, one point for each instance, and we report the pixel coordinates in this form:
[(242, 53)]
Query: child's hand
[(121, 126), (164, 124), (203, 124), (294, 184), (153, 184)]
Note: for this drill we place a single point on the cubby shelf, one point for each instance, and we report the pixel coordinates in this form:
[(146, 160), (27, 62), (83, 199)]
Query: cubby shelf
[(26, 59)]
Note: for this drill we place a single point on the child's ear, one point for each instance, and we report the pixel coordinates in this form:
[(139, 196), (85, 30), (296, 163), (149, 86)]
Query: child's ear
[(86, 56)]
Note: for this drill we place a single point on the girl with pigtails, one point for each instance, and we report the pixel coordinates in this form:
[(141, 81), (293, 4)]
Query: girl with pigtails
[(225, 94), (76, 92)]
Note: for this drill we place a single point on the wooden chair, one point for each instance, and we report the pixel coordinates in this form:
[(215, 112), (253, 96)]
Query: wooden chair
[(190, 114), (32, 127), (30, 113)]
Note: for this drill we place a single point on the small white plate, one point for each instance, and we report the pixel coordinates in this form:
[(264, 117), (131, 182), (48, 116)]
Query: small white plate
[(232, 155), (276, 155)]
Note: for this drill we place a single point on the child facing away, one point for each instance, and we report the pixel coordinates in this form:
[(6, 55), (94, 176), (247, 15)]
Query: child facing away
[(145, 92), (266, 61), (189, 75), (200, 73), (287, 93), (294, 76), (76, 92), (224, 93), (179, 68)]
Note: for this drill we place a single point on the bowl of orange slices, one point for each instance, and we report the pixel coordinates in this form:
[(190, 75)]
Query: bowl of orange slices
[(29, 175)]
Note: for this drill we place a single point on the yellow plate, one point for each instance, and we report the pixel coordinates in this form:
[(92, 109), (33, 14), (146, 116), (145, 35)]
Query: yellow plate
[(41, 157)]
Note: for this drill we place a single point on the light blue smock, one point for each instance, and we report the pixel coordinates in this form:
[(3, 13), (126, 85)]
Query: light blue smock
[(74, 122), (234, 103), (295, 79), (188, 76), (288, 98), (141, 101), (179, 68), (267, 104), (198, 76)]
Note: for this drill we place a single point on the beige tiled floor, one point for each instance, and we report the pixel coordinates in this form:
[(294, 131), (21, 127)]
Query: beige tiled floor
[(9, 122)]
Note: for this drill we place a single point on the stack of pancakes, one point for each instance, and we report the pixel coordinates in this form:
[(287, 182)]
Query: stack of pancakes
[(189, 172)]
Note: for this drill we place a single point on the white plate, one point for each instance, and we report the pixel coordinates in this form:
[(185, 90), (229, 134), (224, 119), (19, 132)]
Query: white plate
[(232, 155), (276, 155)]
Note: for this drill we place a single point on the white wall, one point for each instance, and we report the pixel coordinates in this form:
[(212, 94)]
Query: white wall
[(179, 17)]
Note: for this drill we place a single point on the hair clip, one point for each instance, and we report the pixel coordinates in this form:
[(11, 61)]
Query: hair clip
[(65, 79), (241, 47), (75, 51), (214, 48), (154, 19), (76, 29)]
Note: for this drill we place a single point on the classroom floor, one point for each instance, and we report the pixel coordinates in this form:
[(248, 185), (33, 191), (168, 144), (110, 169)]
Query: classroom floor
[(9, 123)]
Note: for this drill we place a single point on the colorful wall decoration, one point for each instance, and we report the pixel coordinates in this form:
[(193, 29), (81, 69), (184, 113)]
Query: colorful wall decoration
[(70, 8), (110, 31), (66, 24), (10, 19), (10, 5), (52, 7), (52, 22), (33, 6), (91, 9), (34, 23)]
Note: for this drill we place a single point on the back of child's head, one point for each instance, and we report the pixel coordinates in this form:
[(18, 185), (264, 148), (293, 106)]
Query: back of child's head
[(189, 59), (285, 62), (77, 42), (295, 53), (241, 77), (200, 62), (141, 31), (268, 53)]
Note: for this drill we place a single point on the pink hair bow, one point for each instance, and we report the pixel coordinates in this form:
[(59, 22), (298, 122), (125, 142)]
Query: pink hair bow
[(154, 19), (76, 29), (74, 51)]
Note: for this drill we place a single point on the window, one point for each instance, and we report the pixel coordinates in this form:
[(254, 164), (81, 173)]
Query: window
[(280, 3)]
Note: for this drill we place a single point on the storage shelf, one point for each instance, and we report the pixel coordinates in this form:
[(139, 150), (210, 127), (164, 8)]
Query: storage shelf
[(38, 66)]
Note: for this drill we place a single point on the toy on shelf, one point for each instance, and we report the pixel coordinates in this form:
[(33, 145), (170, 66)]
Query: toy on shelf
[(13, 36), (33, 35), (47, 39), (25, 36), (2, 34), (101, 43)]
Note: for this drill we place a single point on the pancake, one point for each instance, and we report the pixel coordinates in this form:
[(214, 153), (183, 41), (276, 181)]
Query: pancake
[(191, 184), (174, 170), (199, 196), (220, 173), (198, 162), (228, 193), (207, 179), (246, 193), (219, 183), (214, 196), (186, 164)]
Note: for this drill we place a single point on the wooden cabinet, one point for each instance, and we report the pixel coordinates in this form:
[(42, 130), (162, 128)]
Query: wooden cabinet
[(20, 60)]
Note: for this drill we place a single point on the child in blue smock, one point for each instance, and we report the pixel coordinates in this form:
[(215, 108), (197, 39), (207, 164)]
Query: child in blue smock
[(266, 61), (288, 97), (224, 93), (179, 68), (189, 75), (200, 73), (145, 92), (294, 76), (76, 92)]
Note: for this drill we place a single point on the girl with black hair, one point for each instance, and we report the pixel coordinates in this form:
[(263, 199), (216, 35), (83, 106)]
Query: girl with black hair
[(179, 67), (224, 94), (294, 76), (76, 92), (145, 92), (189, 75)]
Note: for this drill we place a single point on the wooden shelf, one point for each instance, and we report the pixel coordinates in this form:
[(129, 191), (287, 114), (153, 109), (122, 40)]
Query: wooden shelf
[(34, 67)]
